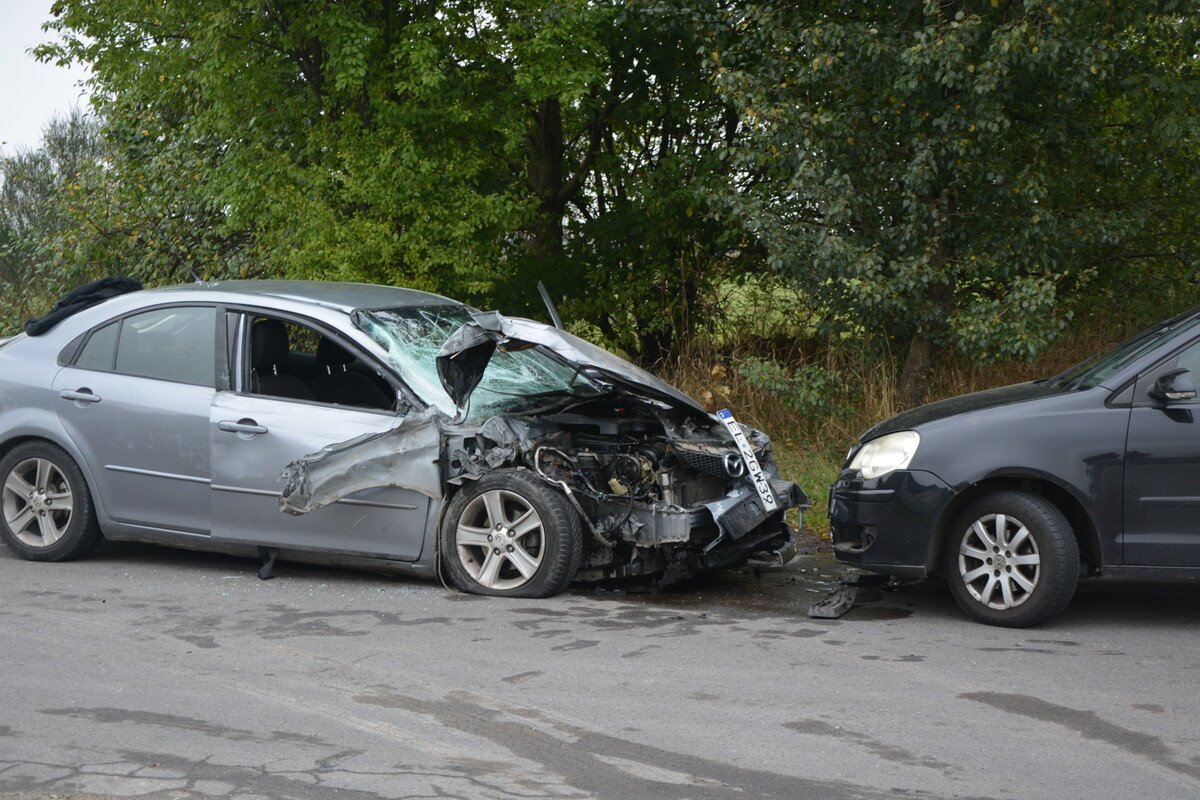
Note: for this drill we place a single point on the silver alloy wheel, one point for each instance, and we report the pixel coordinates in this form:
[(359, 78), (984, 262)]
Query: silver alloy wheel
[(998, 561), (499, 540), (37, 502)]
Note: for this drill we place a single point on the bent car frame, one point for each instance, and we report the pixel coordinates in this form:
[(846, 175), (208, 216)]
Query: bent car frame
[(393, 427)]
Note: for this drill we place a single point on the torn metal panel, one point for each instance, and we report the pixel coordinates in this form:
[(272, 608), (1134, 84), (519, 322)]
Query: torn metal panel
[(499, 441), (653, 525), (405, 456)]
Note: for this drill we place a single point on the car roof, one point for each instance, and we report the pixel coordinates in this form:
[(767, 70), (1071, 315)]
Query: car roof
[(329, 294)]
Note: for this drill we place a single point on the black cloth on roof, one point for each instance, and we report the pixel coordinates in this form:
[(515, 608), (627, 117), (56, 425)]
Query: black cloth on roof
[(75, 301)]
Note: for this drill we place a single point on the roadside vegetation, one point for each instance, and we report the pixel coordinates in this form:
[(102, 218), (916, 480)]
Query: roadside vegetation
[(814, 213)]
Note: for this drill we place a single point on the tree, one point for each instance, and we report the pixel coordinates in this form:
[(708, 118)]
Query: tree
[(35, 186), (468, 147), (954, 173)]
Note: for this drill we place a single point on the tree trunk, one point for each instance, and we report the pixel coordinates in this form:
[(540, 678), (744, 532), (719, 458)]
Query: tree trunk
[(545, 147), (918, 366)]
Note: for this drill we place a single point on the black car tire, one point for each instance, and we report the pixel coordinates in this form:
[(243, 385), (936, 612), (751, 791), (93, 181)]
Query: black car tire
[(558, 539), (81, 531), (1050, 539)]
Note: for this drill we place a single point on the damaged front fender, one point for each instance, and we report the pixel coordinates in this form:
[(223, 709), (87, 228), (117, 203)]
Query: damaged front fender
[(405, 457)]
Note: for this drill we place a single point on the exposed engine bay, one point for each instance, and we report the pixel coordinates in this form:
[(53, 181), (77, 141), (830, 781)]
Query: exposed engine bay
[(658, 495)]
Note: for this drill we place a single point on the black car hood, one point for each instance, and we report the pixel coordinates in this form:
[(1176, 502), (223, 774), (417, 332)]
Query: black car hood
[(464, 357), (954, 406)]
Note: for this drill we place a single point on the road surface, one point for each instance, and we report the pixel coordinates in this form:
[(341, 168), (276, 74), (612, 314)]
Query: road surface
[(144, 671)]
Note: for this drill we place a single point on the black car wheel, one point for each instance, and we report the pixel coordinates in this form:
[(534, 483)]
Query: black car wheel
[(46, 511), (1011, 559), (510, 534)]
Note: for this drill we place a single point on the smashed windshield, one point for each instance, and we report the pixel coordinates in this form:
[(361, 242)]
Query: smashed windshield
[(1096, 370), (514, 380)]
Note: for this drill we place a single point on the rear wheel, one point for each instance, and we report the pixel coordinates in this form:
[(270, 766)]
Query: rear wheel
[(1011, 559), (46, 511), (509, 534)]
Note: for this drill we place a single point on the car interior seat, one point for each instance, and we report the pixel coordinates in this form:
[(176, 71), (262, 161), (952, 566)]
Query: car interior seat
[(337, 384), (269, 348)]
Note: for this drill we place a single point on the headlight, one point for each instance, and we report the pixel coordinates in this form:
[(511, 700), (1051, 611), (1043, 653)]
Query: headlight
[(891, 452)]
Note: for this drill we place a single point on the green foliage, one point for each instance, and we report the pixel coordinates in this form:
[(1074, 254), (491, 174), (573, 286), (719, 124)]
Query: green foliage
[(467, 147), (960, 171), (963, 175), (807, 389), (36, 191)]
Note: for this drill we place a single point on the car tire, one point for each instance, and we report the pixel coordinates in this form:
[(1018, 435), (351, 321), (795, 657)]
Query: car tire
[(509, 534), (53, 521), (1011, 559)]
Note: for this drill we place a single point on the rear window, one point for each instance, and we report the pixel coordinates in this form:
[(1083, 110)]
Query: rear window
[(101, 348)]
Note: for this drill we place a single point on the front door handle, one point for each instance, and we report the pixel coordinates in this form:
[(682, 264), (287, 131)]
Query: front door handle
[(80, 395), (242, 426)]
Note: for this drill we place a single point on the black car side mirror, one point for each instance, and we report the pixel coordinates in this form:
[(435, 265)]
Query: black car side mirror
[(1177, 386)]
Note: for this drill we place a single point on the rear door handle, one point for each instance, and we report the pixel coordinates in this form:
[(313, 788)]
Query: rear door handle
[(241, 426), (81, 395)]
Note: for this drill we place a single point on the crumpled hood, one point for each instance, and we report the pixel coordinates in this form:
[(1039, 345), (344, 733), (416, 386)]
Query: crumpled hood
[(464, 356)]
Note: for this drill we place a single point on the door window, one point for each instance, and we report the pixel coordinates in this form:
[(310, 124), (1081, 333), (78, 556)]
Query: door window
[(293, 361), (172, 344)]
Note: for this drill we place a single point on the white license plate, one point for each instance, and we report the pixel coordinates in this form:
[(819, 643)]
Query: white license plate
[(761, 483)]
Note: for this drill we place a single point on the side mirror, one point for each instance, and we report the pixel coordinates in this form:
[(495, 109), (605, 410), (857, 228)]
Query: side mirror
[(1177, 386)]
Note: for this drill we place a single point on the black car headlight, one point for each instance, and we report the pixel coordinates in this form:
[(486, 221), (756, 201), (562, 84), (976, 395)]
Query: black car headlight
[(880, 456)]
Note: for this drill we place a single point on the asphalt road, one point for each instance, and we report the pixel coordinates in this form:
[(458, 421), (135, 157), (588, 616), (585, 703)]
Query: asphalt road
[(153, 672)]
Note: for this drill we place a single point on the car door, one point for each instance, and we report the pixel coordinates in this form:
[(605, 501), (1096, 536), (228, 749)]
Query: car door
[(135, 400), (1162, 472), (255, 436)]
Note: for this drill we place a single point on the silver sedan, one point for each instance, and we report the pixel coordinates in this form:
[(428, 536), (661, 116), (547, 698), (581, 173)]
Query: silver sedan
[(390, 427)]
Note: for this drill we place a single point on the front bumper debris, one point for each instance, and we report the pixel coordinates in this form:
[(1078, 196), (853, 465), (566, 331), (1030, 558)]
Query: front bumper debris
[(774, 559), (727, 519), (837, 603), (843, 598)]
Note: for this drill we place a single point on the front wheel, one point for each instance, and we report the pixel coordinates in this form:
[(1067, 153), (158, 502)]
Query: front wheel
[(1011, 559), (510, 534)]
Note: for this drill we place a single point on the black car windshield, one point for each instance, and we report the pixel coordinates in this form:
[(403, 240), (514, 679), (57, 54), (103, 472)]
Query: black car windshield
[(515, 380), (1096, 370)]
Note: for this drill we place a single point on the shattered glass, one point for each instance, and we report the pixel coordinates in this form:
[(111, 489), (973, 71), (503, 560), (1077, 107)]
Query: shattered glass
[(515, 379)]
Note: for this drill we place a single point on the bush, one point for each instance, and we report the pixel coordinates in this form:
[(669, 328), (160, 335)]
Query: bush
[(806, 389)]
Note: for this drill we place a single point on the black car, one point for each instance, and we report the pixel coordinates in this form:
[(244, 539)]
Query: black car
[(1014, 494)]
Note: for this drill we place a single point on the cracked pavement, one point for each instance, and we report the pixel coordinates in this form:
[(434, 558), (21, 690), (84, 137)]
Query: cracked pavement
[(149, 672)]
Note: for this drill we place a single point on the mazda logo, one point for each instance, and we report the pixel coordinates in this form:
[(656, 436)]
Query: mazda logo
[(735, 467)]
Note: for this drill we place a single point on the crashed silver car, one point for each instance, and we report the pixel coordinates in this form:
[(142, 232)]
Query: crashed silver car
[(370, 426)]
